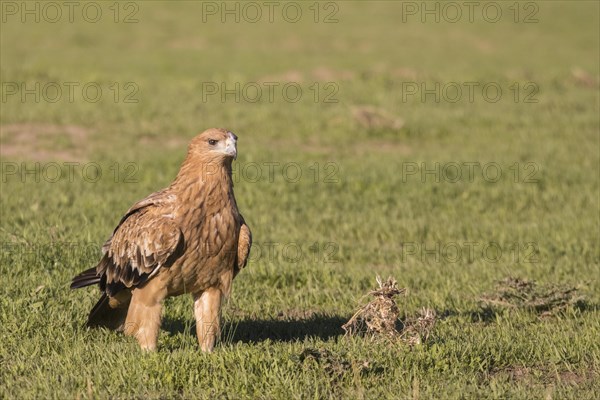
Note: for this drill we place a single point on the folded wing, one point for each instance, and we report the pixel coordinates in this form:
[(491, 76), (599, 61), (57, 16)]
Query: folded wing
[(244, 245), (145, 241)]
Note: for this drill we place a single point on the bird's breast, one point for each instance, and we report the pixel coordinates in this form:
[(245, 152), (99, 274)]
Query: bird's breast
[(211, 238)]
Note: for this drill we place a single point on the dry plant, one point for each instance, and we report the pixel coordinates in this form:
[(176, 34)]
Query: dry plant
[(417, 330), (543, 299), (379, 318)]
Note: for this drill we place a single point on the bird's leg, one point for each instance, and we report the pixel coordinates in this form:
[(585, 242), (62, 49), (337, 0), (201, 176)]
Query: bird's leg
[(207, 310), (143, 318)]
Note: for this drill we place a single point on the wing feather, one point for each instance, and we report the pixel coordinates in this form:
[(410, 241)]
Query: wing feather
[(244, 245), (144, 241)]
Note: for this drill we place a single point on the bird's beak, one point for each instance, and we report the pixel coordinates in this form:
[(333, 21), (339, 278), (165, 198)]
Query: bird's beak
[(231, 145)]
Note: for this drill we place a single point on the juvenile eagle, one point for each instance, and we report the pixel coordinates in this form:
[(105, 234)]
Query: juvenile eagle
[(187, 238)]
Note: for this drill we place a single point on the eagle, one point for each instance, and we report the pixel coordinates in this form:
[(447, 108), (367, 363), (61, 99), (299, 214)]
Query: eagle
[(187, 238)]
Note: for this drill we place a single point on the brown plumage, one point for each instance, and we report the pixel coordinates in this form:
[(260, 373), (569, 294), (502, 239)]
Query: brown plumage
[(187, 238)]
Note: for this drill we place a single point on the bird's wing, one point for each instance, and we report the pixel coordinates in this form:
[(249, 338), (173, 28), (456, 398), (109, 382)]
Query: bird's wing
[(155, 199), (244, 244), (144, 241)]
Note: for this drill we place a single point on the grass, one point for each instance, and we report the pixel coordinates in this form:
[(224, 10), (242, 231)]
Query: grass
[(321, 240)]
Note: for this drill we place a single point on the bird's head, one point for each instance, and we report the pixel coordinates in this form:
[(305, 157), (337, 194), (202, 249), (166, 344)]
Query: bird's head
[(214, 145)]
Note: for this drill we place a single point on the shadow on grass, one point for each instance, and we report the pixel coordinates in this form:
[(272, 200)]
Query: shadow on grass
[(258, 330)]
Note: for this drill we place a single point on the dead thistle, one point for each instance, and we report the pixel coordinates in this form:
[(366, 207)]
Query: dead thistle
[(380, 317), (417, 330)]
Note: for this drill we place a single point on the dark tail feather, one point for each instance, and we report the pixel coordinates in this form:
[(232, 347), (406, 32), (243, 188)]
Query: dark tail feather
[(109, 312), (99, 308), (104, 315), (86, 278)]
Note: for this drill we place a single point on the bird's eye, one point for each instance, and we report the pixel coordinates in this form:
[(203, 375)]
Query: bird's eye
[(212, 142)]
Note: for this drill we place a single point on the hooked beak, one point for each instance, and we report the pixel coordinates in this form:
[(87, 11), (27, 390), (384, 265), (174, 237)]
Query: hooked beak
[(231, 145)]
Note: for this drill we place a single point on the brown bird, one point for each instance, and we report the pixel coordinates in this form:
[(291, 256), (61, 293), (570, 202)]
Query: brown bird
[(187, 238)]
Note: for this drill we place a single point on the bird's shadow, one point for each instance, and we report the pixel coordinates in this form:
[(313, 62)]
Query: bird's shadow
[(257, 330)]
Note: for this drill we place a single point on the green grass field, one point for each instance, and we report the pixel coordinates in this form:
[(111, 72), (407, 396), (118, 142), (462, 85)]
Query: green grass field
[(352, 135)]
